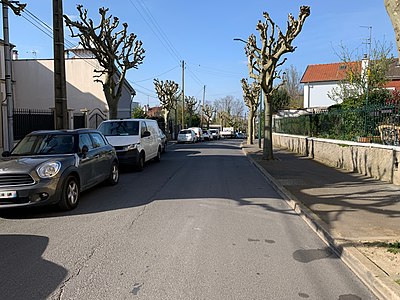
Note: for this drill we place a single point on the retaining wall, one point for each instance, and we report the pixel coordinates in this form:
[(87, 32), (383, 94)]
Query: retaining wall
[(373, 160)]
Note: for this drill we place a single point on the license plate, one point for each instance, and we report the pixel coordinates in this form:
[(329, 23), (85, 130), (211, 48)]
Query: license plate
[(8, 194)]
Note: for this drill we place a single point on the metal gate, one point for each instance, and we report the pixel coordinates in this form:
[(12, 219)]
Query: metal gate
[(28, 120)]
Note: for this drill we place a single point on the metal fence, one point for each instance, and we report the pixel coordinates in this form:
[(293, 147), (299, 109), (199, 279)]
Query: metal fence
[(376, 124), (27, 120)]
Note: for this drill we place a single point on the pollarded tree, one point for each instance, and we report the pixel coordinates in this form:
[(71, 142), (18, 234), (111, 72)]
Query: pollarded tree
[(166, 92), (263, 61), (251, 96), (190, 103), (208, 111), (116, 50), (393, 10)]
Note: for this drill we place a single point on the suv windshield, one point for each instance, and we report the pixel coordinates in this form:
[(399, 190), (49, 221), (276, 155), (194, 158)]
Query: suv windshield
[(116, 128), (43, 144)]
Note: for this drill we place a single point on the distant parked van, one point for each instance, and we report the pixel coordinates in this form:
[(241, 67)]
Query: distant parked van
[(199, 133), (136, 141)]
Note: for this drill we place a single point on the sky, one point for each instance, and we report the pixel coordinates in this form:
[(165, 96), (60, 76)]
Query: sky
[(202, 33)]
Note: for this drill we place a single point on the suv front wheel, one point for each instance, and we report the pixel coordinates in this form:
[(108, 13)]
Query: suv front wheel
[(140, 163)]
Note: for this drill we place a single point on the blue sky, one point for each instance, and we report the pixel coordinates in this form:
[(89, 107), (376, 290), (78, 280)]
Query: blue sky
[(201, 33)]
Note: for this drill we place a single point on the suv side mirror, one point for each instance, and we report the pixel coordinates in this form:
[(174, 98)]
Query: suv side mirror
[(84, 151), (146, 134)]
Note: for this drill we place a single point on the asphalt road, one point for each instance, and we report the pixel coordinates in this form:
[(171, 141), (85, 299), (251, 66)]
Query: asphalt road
[(201, 224)]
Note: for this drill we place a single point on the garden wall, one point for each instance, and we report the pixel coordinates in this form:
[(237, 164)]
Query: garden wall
[(373, 160)]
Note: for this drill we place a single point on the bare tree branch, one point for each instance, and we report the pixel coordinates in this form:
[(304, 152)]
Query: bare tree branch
[(115, 50)]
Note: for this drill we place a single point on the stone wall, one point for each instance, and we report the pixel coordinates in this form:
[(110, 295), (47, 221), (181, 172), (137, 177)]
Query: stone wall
[(373, 160)]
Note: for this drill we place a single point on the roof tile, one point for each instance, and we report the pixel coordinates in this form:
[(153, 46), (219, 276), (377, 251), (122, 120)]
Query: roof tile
[(326, 72)]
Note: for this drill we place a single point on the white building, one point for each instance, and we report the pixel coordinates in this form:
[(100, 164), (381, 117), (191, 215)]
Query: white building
[(320, 80), (34, 87)]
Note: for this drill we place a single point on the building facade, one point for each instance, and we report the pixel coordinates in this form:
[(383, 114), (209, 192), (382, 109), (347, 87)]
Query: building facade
[(319, 81), (34, 87)]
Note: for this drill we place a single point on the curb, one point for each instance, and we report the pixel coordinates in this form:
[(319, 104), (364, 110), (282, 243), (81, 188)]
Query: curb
[(369, 273)]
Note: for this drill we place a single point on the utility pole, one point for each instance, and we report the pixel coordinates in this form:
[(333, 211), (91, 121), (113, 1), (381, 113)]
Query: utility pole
[(260, 119), (60, 86), (202, 107), (183, 94), (8, 111), (366, 77)]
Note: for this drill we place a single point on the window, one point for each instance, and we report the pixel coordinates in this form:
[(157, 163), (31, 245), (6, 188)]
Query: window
[(98, 140), (116, 128), (84, 139), (143, 128)]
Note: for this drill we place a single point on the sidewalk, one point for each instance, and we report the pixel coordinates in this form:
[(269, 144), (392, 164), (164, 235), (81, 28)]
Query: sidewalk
[(345, 209)]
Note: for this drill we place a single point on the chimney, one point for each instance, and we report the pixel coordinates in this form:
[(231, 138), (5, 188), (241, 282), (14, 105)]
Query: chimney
[(364, 65), (15, 55)]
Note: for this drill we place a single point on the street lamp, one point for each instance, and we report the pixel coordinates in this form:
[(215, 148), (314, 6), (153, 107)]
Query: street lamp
[(241, 40)]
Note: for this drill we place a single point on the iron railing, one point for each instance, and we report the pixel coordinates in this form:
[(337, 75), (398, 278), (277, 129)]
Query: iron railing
[(376, 124)]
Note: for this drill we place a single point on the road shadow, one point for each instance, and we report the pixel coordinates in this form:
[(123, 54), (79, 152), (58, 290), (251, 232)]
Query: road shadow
[(24, 274), (340, 198)]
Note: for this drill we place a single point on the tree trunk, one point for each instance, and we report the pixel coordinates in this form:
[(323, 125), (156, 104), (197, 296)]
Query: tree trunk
[(393, 10), (254, 127), (108, 88), (166, 117), (267, 146), (250, 128), (113, 107)]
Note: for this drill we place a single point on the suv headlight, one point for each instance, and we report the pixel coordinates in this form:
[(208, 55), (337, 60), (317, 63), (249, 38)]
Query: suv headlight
[(130, 147), (48, 169)]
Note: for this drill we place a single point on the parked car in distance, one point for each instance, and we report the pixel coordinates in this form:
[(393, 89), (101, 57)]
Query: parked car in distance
[(240, 135), (207, 135), (215, 134), (135, 140), (186, 136), (164, 141), (199, 133), (54, 167)]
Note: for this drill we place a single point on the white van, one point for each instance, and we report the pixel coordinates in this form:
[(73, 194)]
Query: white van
[(199, 133), (135, 140)]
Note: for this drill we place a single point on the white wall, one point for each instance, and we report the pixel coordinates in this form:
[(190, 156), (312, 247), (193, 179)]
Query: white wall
[(34, 86), (316, 94), (373, 160)]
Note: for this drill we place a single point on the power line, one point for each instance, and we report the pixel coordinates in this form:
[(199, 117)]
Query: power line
[(151, 78), (155, 33), (157, 26), (42, 30), (47, 30), (191, 74), (217, 72), (38, 20), (151, 91)]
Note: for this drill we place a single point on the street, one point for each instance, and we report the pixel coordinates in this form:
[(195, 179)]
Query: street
[(201, 224)]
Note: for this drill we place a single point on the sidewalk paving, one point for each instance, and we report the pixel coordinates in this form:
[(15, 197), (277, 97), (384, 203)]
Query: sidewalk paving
[(345, 209)]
